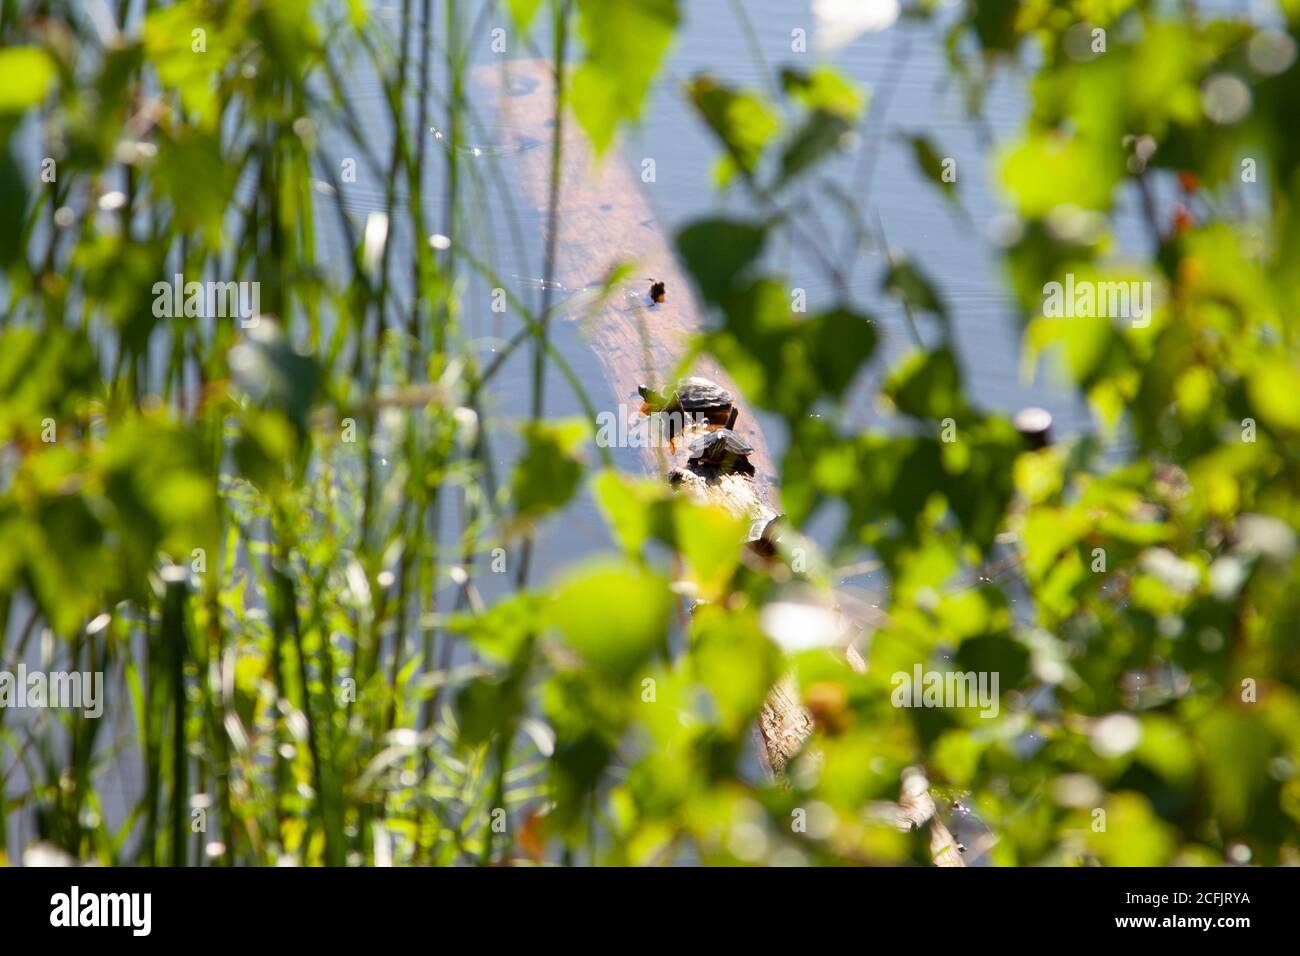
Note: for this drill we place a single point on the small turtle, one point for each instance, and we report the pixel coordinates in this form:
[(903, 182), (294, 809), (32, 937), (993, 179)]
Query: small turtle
[(723, 449), (658, 292), (764, 533), (713, 446)]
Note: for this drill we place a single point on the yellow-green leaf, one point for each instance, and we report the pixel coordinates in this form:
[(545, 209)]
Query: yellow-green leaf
[(28, 73)]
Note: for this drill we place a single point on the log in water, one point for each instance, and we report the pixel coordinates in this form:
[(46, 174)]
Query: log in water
[(605, 221)]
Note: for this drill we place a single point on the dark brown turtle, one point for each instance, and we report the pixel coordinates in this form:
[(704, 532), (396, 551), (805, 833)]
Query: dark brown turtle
[(693, 401), (723, 449), (765, 533), (694, 395), (714, 445)]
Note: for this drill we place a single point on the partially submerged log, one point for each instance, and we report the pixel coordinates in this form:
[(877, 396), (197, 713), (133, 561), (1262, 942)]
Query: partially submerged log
[(605, 221)]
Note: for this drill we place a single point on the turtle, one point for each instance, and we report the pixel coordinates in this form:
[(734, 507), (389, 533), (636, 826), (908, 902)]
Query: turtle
[(694, 395), (692, 400), (714, 445), (765, 532), (658, 291), (723, 449)]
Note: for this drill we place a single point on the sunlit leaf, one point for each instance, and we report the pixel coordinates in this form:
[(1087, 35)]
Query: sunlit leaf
[(614, 615), (28, 74), (625, 43), (551, 467), (824, 88), (742, 121)]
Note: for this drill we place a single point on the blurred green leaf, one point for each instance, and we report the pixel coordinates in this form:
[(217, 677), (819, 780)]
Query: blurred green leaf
[(1274, 386), (718, 251), (931, 165), (614, 614), (821, 134), (734, 661), (928, 385), (824, 88), (501, 632), (742, 121), (709, 538), (634, 508), (29, 73), (1133, 835), (907, 283), (625, 43), (550, 469)]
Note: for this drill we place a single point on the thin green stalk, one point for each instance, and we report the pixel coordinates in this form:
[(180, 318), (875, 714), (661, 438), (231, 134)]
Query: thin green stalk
[(561, 31)]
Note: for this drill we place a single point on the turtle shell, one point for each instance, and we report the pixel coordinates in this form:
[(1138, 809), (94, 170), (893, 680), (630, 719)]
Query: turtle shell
[(713, 445), (695, 394), (765, 532)]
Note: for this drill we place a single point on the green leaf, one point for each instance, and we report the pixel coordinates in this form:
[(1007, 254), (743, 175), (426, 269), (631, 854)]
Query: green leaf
[(614, 614), (1166, 750), (741, 120), (931, 165), (784, 364), (43, 374), (824, 88), (1237, 749), (13, 210), (1046, 170), (840, 343), (158, 477), (732, 658), (928, 385), (718, 252), (28, 74), (907, 283), (68, 561), (632, 508), (500, 632), (487, 706), (709, 539), (191, 174), (989, 449), (1133, 836), (550, 469), (821, 133), (267, 443), (170, 37), (1274, 387), (1003, 656), (625, 44)]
